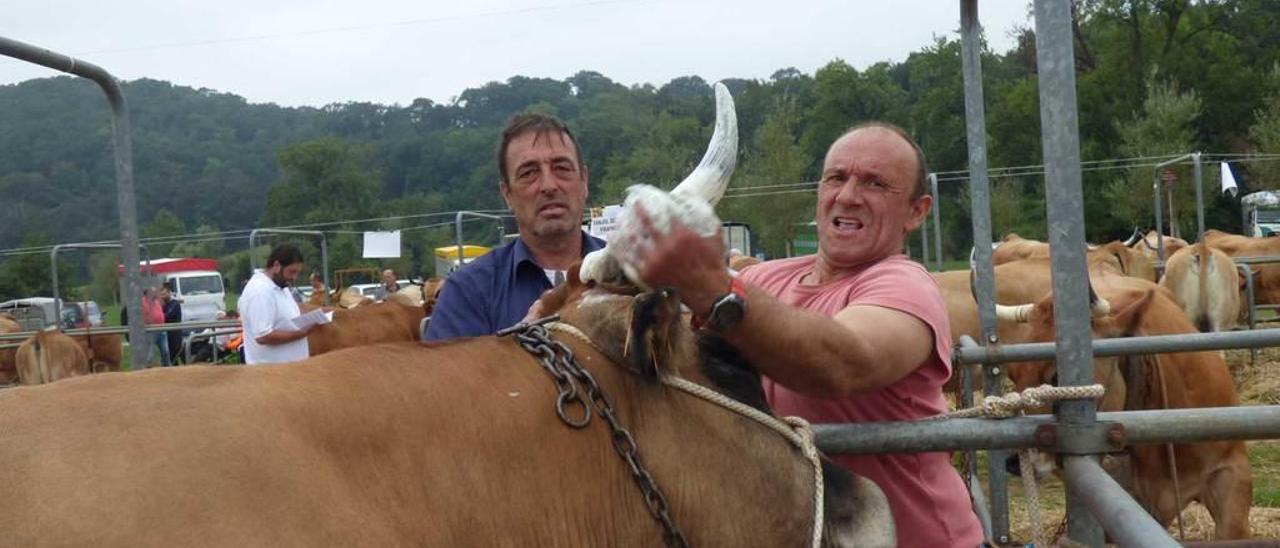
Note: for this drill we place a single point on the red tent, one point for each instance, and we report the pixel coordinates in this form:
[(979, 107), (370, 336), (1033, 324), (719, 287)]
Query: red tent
[(161, 266)]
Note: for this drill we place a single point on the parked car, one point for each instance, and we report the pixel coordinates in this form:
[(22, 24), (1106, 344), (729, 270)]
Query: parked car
[(80, 314)]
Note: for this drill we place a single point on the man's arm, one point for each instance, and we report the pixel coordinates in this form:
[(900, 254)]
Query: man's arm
[(862, 348), (281, 336), (258, 318), (457, 313)]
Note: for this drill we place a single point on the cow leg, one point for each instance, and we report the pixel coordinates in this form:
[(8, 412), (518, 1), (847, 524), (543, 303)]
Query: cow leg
[(1228, 496)]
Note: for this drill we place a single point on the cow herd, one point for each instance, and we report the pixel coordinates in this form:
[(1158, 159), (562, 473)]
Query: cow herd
[(51, 355), (1200, 290)]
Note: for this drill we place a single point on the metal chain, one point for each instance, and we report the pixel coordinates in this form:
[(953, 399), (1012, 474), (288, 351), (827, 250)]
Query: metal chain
[(571, 381)]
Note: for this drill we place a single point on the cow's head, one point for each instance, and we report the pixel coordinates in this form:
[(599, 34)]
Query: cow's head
[(1121, 314), (647, 332)]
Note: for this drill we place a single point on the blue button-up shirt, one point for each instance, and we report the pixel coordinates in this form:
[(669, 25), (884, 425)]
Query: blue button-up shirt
[(493, 292)]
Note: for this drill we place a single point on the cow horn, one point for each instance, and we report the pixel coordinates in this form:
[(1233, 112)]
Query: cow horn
[(1020, 313), (1098, 305), (1133, 238), (709, 180)]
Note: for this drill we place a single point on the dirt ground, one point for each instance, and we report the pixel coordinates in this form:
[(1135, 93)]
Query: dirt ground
[(1259, 384)]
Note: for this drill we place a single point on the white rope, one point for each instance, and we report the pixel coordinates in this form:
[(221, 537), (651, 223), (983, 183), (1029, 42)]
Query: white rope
[(1026, 462), (794, 429), (1014, 403)]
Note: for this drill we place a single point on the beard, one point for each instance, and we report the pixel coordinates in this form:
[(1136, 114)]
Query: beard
[(280, 280)]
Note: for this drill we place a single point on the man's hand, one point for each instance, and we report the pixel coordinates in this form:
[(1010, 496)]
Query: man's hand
[(535, 311), (681, 258)]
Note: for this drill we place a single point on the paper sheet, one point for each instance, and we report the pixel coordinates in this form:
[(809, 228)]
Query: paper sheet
[(382, 245), (315, 317)]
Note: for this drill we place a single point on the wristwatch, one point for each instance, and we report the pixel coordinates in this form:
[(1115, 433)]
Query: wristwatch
[(727, 311)]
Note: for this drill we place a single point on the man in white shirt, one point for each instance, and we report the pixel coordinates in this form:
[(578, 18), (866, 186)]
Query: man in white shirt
[(266, 303)]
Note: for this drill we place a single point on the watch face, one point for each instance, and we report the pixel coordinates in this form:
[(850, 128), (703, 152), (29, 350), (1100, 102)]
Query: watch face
[(727, 312)]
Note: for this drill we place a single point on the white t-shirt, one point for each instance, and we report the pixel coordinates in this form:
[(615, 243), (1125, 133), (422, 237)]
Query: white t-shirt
[(263, 305)]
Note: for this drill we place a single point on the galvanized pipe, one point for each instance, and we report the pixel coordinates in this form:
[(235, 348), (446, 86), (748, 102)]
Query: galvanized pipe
[(1060, 135), (1121, 516), (1199, 197), (21, 335), (53, 268), (937, 220), (1155, 344), (457, 230), (980, 210), (324, 251), (1205, 424), (123, 153), (1157, 185)]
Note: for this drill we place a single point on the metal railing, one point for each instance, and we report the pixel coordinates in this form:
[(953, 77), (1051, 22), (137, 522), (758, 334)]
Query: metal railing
[(192, 337), (122, 149)]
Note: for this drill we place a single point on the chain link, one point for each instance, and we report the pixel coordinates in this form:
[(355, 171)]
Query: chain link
[(576, 386)]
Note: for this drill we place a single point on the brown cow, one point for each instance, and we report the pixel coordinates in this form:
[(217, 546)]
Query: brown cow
[(1128, 261), (1215, 474), (1266, 277), (1149, 245), (48, 356), (364, 325), (104, 351), (445, 444), (1015, 248), (1206, 283), (8, 365)]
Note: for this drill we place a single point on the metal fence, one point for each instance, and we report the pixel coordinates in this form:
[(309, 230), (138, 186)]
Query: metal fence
[(1095, 502), (122, 146)]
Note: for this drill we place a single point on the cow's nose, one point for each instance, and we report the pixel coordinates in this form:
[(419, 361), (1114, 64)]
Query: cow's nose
[(1012, 465)]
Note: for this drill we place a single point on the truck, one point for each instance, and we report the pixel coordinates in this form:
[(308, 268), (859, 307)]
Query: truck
[(195, 282)]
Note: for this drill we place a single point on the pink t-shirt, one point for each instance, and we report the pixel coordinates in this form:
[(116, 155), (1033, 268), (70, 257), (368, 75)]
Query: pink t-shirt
[(929, 501)]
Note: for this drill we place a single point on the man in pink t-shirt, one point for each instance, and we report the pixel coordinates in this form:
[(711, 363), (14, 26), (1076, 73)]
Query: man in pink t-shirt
[(855, 333)]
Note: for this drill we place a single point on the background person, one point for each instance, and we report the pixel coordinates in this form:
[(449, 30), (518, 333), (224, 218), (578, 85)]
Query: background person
[(265, 303), (172, 308), (153, 314)]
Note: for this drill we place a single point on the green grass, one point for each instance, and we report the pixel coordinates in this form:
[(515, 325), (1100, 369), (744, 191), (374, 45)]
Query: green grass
[(1264, 459)]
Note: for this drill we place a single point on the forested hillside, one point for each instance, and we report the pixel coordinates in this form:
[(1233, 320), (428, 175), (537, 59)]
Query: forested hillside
[(1155, 78)]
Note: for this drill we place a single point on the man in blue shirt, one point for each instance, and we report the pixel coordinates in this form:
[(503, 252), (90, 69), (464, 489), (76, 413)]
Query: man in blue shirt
[(544, 183)]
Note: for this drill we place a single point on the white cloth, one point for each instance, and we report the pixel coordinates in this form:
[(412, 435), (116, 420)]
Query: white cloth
[(1229, 185), (263, 305)]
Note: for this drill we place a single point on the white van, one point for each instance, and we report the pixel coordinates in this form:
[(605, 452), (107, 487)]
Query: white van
[(200, 292)]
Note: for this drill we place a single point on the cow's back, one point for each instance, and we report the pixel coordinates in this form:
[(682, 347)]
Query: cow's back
[(8, 356), (386, 445), (366, 325), (49, 356)]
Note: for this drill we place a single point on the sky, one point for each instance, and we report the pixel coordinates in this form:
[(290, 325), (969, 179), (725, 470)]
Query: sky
[(316, 52)]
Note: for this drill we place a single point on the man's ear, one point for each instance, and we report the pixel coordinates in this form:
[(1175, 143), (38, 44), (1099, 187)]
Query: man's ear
[(504, 188), (919, 210)]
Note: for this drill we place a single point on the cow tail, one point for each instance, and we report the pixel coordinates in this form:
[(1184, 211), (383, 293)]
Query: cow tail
[(42, 360), (1206, 261)]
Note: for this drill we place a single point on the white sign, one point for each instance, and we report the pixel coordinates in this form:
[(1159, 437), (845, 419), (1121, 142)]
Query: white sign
[(606, 223), (382, 245)]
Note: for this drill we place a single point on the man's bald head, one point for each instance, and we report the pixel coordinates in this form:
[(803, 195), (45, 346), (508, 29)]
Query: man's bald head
[(921, 168)]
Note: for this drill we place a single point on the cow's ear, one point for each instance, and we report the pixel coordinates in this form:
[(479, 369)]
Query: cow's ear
[(655, 318)]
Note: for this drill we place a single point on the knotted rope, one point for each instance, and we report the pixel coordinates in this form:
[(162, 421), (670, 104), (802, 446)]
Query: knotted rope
[(1014, 403)]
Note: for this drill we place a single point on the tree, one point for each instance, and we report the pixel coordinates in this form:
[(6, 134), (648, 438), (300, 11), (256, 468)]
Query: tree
[(1265, 134), (776, 158), (326, 179), (1165, 127), (163, 224)]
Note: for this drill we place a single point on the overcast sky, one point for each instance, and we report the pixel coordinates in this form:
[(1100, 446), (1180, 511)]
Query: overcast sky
[(314, 52)]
